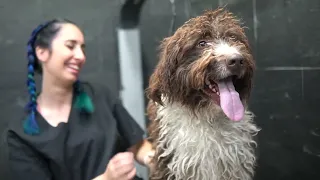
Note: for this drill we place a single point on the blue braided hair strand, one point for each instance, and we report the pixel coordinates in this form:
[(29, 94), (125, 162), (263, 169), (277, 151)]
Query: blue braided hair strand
[(30, 125)]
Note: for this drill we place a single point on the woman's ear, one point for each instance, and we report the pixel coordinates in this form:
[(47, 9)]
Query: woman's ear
[(42, 54)]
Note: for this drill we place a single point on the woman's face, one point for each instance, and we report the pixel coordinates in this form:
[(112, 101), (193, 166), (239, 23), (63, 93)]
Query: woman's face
[(67, 56)]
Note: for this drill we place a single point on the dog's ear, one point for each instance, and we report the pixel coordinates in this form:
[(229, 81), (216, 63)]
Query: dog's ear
[(160, 82), (248, 78), (247, 83)]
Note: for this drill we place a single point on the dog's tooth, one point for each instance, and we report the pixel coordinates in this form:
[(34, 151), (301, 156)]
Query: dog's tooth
[(210, 86), (214, 90), (207, 82), (218, 93)]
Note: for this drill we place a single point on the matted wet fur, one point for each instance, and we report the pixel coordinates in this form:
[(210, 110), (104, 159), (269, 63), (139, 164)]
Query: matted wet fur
[(193, 137)]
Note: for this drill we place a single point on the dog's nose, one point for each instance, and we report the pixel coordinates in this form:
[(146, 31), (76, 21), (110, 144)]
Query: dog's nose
[(235, 64)]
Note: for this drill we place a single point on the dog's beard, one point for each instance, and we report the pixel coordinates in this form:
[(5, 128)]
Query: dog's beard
[(202, 148)]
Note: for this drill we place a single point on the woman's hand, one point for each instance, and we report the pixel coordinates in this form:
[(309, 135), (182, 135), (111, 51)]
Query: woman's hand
[(121, 167)]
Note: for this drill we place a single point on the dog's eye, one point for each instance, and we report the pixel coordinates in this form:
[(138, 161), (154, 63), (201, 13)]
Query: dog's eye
[(233, 38), (202, 44)]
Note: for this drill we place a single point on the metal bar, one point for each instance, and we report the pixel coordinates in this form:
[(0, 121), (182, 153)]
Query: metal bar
[(130, 62)]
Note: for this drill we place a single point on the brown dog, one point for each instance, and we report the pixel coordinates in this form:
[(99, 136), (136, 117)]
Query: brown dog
[(198, 94)]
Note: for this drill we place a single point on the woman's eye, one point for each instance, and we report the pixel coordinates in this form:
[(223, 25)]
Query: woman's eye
[(202, 43), (70, 46)]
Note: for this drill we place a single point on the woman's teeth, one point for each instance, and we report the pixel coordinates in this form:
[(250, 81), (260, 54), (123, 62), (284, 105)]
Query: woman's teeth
[(75, 67)]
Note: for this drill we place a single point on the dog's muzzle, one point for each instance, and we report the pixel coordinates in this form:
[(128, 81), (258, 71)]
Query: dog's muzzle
[(235, 65)]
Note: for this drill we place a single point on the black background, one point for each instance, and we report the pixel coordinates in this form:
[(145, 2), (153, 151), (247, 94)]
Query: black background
[(284, 34)]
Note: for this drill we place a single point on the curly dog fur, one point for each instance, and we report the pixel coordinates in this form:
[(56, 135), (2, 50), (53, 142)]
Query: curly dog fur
[(193, 136)]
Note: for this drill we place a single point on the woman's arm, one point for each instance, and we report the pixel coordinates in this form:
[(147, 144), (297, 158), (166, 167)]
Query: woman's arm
[(130, 131), (132, 134), (101, 177), (24, 163)]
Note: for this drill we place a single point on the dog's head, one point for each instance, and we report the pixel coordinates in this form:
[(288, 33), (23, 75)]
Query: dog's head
[(206, 63)]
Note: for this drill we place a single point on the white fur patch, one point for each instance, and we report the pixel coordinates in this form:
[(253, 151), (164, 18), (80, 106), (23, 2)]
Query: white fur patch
[(207, 147), (224, 49)]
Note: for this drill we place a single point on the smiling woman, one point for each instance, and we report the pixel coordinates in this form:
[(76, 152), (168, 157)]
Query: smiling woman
[(72, 129)]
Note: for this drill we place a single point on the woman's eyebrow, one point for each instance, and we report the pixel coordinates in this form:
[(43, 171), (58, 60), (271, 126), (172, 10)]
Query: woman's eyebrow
[(75, 42)]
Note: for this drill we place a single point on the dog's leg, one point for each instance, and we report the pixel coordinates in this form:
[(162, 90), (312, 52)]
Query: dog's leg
[(160, 171), (152, 126)]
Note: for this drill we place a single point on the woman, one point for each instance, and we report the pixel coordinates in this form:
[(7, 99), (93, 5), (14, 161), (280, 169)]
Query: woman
[(72, 130)]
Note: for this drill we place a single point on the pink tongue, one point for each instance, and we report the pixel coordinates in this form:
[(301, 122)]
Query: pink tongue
[(230, 101)]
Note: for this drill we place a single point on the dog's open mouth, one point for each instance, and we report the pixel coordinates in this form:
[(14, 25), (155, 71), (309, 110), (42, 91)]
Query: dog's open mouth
[(223, 93)]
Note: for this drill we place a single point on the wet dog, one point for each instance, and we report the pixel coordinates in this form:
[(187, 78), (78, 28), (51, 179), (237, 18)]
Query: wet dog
[(201, 127)]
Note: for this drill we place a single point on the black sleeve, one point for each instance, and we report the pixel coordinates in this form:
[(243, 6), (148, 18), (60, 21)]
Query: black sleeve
[(24, 163), (128, 128)]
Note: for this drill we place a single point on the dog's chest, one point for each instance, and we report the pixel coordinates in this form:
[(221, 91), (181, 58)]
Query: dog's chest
[(206, 147)]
